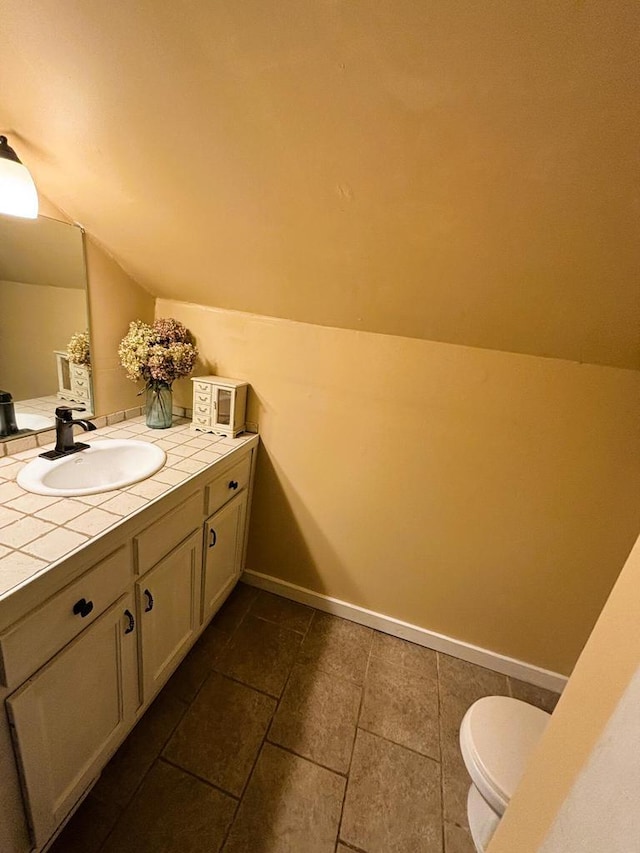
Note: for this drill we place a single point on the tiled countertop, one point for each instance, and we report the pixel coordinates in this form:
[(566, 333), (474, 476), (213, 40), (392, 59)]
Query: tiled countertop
[(37, 531)]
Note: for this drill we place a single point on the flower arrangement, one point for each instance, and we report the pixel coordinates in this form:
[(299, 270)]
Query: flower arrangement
[(157, 354), (78, 351)]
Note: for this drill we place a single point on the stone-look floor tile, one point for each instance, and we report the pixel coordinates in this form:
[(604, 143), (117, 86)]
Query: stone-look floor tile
[(317, 718), (235, 608), (461, 684), (538, 696), (457, 839), (401, 705), (403, 653), (393, 799), (260, 654), (282, 611), (87, 830), (290, 806), (198, 664), (337, 646), (455, 788), (172, 812), (125, 771), (221, 733)]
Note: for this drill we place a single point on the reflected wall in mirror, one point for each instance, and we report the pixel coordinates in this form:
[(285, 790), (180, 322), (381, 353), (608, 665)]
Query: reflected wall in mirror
[(43, 303)]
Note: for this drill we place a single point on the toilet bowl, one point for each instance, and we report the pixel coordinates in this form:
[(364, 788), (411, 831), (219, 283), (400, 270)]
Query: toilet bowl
[(497, 736)]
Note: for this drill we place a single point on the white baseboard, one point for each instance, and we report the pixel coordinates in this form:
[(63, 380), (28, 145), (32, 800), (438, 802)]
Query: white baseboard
[(388, 625)]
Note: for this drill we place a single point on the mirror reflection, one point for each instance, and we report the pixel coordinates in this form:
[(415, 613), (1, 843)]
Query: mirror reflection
[(44, 344)]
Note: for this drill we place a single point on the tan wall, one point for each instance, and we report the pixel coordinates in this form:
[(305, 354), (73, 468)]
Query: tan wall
[(447, 171), (27, 362), (488, 496), (601, 676), (114, 300)]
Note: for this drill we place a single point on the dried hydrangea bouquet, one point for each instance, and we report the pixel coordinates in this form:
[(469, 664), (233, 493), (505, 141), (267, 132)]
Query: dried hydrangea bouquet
[(78, 350), (157, 354)]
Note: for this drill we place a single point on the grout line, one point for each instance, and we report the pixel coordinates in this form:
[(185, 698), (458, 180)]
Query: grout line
[(342, 774), (355, 736), (350, 846), (196, 776), (440, 728), (401, 745), (124, 808)]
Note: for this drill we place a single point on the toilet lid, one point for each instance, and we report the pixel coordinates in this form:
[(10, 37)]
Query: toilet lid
[(497, 736)]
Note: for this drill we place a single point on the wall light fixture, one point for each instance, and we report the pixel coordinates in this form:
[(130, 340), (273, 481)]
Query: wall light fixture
[(18, 196)]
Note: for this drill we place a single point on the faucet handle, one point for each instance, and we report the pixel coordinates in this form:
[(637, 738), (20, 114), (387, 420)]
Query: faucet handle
[(63, 413)]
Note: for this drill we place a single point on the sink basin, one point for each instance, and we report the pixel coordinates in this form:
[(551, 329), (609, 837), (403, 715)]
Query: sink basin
[(106, 465), (27, 421)]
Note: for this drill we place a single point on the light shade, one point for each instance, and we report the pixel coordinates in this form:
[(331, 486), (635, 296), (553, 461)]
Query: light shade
[(18, 196)]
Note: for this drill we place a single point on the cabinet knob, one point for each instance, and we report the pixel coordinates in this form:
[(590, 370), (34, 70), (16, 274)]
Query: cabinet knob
[(214, 538), (149, 601), (233, 484), (83, 607), (132, 622)]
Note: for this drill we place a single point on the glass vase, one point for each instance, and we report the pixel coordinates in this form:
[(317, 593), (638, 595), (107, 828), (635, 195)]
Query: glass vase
[(159, 406)]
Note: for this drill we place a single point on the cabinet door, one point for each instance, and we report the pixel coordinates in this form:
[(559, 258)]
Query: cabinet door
[(224, 535), (70, 716), (168, 598)]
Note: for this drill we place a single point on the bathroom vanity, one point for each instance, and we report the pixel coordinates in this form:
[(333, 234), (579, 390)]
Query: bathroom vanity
[(88, 640)]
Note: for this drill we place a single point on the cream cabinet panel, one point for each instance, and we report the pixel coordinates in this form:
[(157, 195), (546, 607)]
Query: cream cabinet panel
[(223, 541), (73, 713), (34, 640), (169, 607)]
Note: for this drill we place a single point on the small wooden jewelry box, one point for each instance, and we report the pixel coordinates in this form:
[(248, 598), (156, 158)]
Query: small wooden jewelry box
[(219, 405)]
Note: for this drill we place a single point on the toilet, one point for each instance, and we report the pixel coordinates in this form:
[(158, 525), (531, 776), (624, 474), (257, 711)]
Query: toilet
[(497, 736)]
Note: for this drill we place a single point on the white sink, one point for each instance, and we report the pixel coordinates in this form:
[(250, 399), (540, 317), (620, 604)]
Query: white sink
[(104, 466), (27, 421)]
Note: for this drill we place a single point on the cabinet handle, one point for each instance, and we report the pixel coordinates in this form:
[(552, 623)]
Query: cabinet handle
[(214, 538), (233, 484), (83, 607), (132, 622), (149, 601)]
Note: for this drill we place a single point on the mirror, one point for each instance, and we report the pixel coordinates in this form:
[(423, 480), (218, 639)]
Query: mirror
[(43, 304)]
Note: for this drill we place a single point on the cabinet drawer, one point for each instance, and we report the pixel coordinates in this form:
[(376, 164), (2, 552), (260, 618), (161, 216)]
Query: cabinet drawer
[(164, 534), (78, 371), (201, 420), (202, 409), (225, 486), (36, 638)]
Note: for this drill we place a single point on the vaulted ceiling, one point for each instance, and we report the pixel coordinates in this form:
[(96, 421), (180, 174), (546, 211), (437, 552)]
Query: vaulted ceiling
[(463, 172)]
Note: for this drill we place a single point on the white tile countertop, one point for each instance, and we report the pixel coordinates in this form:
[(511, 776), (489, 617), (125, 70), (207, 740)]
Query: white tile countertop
[(39, 531)]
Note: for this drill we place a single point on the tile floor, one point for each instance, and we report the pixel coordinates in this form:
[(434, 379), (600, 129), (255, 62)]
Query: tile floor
[(286, 730)]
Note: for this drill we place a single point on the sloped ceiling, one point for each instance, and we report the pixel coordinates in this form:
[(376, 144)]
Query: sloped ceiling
[(463, 172)]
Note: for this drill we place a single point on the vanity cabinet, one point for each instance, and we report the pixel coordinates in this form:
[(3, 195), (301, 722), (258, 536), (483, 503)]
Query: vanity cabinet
[(79, 669), (222, 553), (72, 714), (168, 599)]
